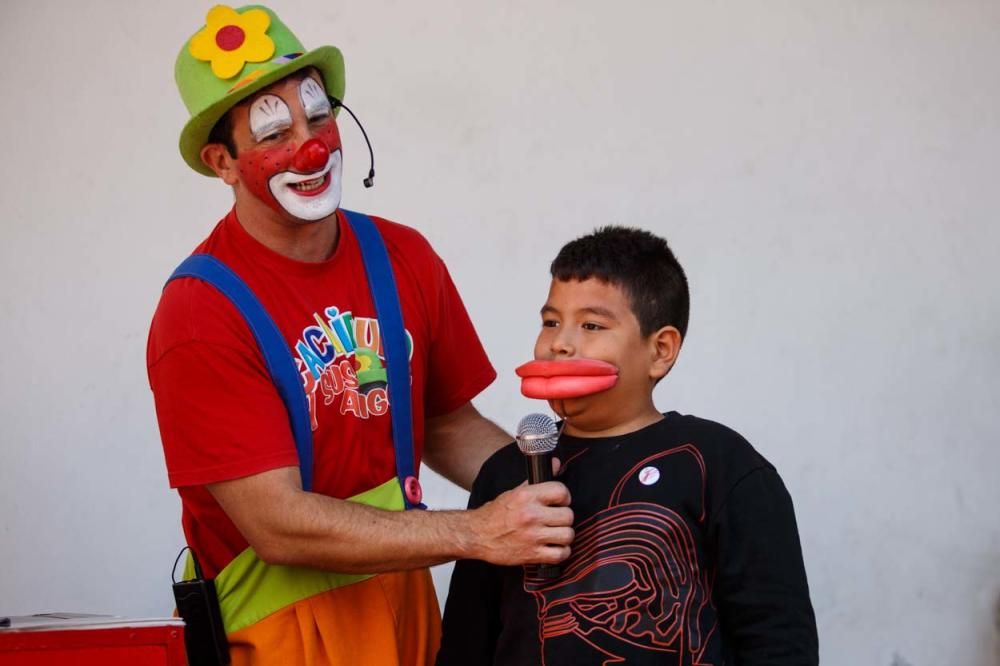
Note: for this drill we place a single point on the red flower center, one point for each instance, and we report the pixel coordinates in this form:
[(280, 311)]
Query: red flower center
[(230, 38)]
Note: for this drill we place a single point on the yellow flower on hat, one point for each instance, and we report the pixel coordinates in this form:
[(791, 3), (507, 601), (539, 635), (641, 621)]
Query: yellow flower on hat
[(229, 40)]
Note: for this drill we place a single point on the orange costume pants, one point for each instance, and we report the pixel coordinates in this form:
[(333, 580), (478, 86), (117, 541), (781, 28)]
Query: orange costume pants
[(381, 621)]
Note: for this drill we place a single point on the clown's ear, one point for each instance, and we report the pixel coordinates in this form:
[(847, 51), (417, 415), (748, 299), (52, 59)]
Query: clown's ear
[(217, 158)]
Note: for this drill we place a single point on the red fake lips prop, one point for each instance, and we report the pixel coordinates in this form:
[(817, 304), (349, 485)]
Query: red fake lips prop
[(559, 380)]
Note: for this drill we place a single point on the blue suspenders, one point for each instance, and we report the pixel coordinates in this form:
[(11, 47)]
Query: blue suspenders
[(281, 364), (382, 285)]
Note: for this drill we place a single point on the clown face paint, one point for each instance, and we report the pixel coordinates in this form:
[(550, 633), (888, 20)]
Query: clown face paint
[(269, 116), (311, 196), (314, 100), (305, 180)]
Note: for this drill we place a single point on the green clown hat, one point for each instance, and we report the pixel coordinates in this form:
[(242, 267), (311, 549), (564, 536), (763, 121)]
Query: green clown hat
[(236, 53)]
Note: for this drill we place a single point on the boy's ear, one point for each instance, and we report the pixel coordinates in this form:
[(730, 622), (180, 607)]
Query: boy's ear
[(666, 345)]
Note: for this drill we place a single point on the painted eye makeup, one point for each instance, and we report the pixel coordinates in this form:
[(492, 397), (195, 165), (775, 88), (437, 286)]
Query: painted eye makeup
[(314, 99), (269, 115)]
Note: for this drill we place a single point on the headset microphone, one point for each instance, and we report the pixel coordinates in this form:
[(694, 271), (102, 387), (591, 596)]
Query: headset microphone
[(370, 180)]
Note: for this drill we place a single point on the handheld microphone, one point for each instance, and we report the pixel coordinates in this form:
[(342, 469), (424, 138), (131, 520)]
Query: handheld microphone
[(370, 180), (537, 437)]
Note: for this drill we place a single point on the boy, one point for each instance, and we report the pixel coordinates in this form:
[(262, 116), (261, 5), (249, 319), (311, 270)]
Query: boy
[(686, 548)]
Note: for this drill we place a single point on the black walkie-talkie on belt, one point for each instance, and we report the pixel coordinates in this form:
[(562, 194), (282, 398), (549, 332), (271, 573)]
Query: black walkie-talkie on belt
[(198, 605)]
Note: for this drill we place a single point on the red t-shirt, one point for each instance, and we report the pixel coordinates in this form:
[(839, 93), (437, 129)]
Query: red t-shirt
[(219, 413)]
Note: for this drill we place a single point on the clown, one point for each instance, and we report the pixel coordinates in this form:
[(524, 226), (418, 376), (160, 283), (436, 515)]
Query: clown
[(294, 406), (297, 176)]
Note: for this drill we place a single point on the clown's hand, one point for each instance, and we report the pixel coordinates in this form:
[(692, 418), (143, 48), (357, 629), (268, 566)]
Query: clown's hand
[(530, 524)]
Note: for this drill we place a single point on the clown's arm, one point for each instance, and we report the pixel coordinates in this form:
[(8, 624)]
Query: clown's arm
[(457, 444), (286, 525)]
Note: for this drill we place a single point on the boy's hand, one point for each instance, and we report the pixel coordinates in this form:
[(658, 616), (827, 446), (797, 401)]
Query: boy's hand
[(530, 524)]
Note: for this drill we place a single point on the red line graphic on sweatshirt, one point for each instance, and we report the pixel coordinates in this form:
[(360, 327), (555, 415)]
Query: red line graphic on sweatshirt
[(632, 583)]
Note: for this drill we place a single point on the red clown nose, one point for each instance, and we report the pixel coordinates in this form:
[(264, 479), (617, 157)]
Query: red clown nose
[(311, 156)]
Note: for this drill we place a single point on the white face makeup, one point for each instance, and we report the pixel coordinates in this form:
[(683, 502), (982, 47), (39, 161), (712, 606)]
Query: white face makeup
[(314, 100), (313, 196), (268, 114)]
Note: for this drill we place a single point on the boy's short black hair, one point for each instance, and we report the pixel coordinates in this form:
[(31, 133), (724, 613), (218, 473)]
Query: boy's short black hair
[(641, 264)]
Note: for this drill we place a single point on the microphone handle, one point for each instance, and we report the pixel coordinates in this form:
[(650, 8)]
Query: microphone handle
[(539, 467), (540, 471)]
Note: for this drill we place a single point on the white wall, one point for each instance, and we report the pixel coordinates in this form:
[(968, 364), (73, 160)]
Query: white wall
[(826, 171)]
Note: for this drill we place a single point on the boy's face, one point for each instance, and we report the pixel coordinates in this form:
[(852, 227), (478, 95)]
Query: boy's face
[(593, 319)]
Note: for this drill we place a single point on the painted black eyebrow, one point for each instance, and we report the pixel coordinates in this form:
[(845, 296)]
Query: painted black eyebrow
[(319, 100), (270, 127), (269, 108)]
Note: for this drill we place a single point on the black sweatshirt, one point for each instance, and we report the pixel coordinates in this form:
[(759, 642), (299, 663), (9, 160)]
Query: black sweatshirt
[(686, 552)]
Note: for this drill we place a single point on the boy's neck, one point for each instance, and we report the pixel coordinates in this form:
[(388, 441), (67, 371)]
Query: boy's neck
[(638, 421)]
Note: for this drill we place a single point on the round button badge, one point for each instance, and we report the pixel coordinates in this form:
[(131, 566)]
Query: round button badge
[(648, 476)]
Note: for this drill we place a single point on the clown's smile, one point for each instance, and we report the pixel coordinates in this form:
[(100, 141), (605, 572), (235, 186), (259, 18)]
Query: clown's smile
[(312, 187), (309, 196)]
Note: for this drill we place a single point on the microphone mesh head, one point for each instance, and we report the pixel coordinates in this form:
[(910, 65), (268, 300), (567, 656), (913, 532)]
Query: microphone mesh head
[(537, 433)]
